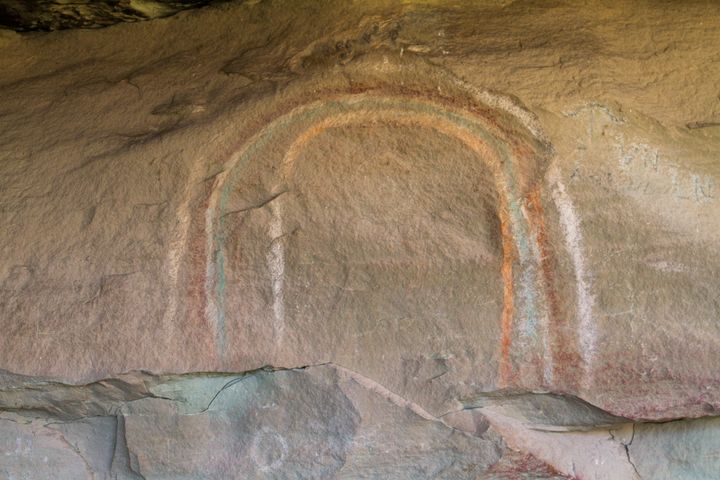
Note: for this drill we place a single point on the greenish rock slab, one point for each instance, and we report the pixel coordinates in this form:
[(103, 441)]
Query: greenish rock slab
[(680, 450), (253, 426), (546, 411), (32, 450), (314, 423)]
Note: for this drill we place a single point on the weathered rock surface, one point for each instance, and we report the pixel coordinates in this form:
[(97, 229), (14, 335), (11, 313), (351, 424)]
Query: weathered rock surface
[(25, 15), (363, 241), (318, 422)]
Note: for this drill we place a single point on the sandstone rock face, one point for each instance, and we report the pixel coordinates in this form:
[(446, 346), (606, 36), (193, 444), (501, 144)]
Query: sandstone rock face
[(272, 240), (26, 15)]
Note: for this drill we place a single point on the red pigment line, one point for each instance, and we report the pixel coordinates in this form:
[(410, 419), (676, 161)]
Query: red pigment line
[(560, 358), (508, 307), (537, 223)]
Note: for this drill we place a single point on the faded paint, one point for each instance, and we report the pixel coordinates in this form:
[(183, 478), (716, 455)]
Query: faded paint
[(570, 223), (276, 266), (343, 110)]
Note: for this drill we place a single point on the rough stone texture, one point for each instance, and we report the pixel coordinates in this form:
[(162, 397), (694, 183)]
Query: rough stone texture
[(681, 449), (318, 422), (26, 15), (467, 240)]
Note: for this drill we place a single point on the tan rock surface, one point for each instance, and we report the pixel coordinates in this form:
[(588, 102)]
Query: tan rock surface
[(448, 199)]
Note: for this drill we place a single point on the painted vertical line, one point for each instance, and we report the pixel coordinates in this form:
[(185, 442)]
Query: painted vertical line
[(570, 223), (553, 318), (508, 307), (528, 252), (216, 259), (215, 269), (527, 276), (519, 233), (220, 329), (179, 246), (276, 267)]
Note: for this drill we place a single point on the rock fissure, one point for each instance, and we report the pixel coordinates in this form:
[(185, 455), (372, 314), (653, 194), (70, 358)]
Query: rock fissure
[(258, 205), (109, 395), (627, 452)]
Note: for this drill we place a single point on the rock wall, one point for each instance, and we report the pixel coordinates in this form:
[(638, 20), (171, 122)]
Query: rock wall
[(29, 15), (422, 240)]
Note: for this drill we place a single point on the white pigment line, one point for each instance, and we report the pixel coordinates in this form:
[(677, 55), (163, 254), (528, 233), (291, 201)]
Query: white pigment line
[(276, 266), (585, 300), (214, 309), (548, 364), (177, 248)]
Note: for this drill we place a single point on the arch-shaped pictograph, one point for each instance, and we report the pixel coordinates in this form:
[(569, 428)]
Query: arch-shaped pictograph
[(512, 153)]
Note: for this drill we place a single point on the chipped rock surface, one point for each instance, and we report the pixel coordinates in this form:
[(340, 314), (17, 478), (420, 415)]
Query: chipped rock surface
[(330, 240)]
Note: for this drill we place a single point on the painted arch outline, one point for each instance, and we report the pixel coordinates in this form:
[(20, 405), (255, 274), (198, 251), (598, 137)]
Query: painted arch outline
[(503, 146)]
